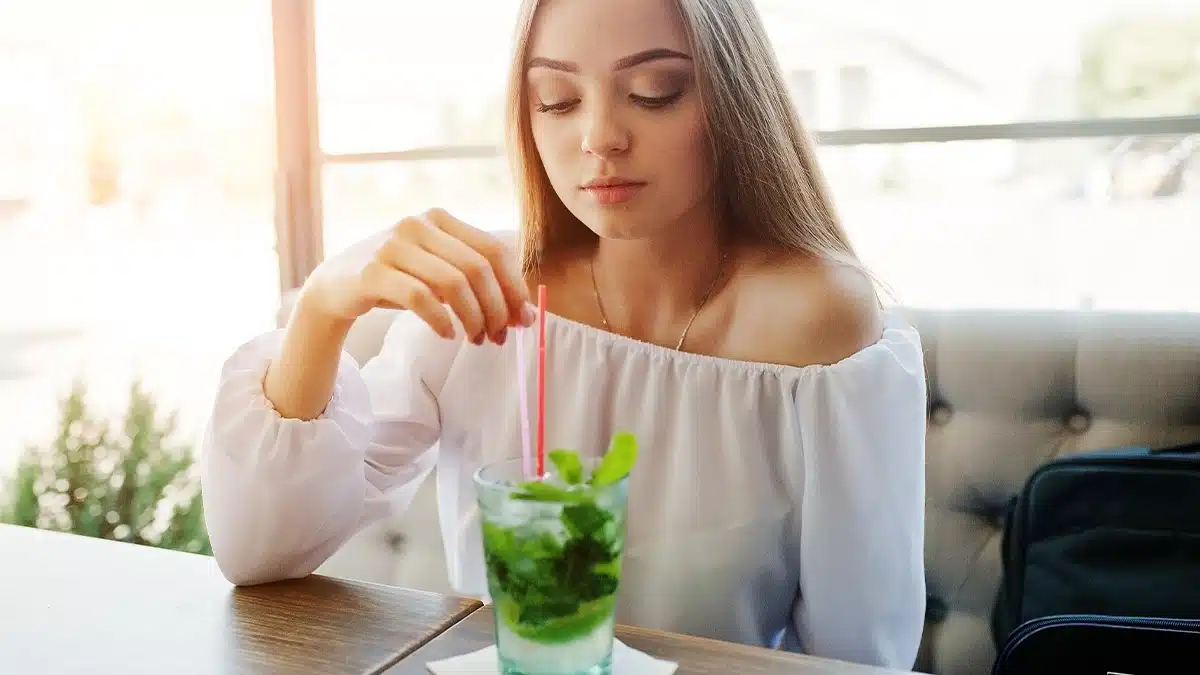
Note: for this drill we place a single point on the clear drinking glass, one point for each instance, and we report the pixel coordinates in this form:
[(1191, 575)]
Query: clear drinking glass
[(553, 557)]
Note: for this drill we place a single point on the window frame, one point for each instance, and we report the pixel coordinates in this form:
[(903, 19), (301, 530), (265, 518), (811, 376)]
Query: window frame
[(300, 160)]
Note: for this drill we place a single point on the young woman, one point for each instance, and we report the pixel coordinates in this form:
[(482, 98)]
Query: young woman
[(703, 296)]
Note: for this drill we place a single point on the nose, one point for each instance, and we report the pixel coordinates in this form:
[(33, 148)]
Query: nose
[(604, 136)]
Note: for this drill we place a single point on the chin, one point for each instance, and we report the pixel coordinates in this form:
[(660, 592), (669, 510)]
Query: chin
[(613, 224)]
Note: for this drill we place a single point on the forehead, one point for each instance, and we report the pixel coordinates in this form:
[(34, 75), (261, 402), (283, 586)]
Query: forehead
[(596, 33)]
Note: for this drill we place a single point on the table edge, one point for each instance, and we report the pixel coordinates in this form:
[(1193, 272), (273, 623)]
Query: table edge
[(467, 607), (737, 647)]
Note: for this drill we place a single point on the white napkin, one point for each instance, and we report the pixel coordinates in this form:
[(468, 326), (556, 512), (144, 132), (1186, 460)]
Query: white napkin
[(625, 661)]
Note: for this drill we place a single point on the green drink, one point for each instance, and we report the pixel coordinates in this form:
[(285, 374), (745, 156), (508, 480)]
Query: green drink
[(553, 552)]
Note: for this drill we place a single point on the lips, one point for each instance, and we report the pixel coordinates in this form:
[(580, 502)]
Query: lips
[(609, 191)]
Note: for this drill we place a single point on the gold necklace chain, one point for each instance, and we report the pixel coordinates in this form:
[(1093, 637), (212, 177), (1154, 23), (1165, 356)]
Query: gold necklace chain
[(703, 300)]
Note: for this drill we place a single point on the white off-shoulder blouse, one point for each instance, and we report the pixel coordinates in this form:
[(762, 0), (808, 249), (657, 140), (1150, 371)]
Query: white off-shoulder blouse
[(771, 505)]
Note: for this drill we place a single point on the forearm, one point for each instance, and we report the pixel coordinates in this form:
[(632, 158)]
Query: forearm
[(300, 380)]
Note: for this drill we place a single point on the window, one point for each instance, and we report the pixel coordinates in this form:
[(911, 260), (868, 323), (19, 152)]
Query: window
[(1058, 224), (381, 90), (136, 238), (939, 62), (853, 96), (978, 158), (361, 199), (388, 82), (804, 94)]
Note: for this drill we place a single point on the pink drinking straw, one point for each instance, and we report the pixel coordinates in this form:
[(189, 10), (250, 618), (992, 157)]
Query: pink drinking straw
[(523, 391), (541, 383)]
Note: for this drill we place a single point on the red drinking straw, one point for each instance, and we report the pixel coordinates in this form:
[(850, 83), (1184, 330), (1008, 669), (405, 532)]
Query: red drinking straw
[(541, 383)]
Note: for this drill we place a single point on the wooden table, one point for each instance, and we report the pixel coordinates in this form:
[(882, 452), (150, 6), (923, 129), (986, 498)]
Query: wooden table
[(78, 605), (695, 656)]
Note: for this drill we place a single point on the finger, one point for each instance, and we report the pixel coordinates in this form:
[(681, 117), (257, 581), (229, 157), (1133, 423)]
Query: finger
[(448, 283), (393, 288), (479, 272), (512, 282)]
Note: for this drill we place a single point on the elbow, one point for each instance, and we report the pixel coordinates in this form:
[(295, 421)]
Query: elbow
[(256, 543), (900, 597), (248, 555), (891, 633), (885, 633), (866, 605), (261, 531), (241, 578), (909, 625), (243, 570), (899, 616), (898, 644), (257, 550), (895, 625)]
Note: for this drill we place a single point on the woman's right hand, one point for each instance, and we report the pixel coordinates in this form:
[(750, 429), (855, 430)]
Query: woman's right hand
[(430, 264)]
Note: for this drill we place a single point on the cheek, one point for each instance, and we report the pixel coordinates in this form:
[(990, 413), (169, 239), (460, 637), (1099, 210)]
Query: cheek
[(554, 144), (684, 147)]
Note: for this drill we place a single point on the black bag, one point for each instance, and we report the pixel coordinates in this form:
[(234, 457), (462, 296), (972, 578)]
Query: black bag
[(1113, 533), (1100, 645)]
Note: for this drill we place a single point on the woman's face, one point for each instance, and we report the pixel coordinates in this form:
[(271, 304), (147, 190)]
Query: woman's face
[(616, 115)]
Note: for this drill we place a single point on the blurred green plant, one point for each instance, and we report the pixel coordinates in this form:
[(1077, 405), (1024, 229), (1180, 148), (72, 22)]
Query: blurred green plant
[(134, 484), (1146, 64)]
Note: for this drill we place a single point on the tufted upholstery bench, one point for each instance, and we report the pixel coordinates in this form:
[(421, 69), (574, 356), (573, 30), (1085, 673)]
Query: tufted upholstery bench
[(1007, 390)]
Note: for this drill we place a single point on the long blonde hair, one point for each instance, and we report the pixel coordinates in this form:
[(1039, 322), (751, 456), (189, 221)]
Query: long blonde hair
[(769, 185)]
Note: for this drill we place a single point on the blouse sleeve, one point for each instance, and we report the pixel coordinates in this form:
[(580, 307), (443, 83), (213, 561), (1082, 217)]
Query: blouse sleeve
[(862, 527), (282, 495)]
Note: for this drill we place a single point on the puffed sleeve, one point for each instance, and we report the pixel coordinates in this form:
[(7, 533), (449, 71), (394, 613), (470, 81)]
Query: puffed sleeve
[(862, 526), (282, 495)]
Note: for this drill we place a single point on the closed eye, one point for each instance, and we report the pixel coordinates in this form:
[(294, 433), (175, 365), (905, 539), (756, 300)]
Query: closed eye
[(656, 101), (556, 108)]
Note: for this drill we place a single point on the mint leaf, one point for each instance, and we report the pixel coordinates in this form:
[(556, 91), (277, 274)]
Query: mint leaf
[(585, 520), (498, 540), (568, 465), (617, 462)]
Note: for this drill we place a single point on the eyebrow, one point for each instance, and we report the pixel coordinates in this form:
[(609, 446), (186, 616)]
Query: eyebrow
[(658, 54)]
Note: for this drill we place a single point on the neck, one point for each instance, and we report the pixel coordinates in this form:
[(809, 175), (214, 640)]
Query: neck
[(650, 288)]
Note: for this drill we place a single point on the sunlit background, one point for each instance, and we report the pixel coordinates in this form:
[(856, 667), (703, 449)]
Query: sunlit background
[(137, 164)]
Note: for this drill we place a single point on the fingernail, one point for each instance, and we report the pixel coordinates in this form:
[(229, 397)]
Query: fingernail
[(500, 336), (478, 339), (528, 315)]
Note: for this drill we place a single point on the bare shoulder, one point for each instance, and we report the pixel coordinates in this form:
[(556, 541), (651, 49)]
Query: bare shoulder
[(806, 311)]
